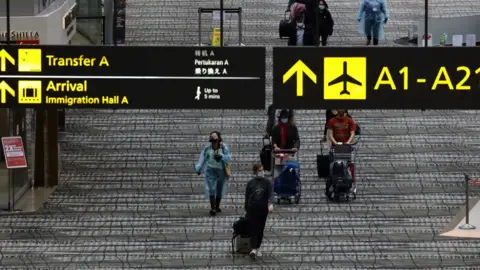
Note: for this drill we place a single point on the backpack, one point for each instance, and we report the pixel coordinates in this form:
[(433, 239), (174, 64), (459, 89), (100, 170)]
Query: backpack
[(286, 182), (240, 227), (339, 169)]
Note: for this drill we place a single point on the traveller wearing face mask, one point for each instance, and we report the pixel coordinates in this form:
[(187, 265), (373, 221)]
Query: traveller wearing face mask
[(299, 33), (258, 203), (214, 161), (372, 15), (271, 119), (341, 128), (325, 22), (285, 134)]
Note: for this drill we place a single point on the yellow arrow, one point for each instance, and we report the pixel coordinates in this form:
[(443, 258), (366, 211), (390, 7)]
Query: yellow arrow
[(4, 88), (4, 57), (300, 68)]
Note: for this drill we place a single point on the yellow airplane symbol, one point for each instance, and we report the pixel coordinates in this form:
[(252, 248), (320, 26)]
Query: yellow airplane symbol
[(4, 88), (4, 57), (300, 68)]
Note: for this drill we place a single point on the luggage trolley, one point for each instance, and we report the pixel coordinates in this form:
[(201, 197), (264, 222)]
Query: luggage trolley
[(347, 153), (286, 187)]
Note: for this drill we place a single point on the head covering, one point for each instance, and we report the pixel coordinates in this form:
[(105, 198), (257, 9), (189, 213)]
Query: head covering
[(297, 8), (284, 114)]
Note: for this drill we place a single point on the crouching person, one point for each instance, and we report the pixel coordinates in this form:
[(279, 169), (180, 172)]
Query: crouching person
[(258, 203), (214, 161)]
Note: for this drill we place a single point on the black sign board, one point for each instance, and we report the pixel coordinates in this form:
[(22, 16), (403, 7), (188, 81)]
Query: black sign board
[(133, 77), (376, 78)]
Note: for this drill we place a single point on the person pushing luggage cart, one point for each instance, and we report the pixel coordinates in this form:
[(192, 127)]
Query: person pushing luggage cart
[(341, 178)]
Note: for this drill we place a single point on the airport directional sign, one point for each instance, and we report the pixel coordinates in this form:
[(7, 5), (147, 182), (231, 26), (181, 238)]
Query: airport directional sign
[(133, 77), (376, 78)]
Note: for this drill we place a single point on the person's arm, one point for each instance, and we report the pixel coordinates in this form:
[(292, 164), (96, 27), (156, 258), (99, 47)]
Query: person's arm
[(330, 131), (296, 142), (276, 136), (248, 192), (225, 153), (201, 161), (331, 23), (384, 8), (351, 125), (269, 189), (360, 11)]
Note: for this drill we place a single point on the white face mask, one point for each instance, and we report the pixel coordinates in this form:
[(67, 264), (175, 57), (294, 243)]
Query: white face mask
[(321, 7), (284, 120), (261, 174)]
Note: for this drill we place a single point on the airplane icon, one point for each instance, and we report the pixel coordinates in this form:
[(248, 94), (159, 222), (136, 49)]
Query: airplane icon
[(344, 78)]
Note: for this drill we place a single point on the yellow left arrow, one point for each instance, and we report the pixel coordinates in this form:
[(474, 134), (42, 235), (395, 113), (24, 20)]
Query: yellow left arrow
[(300, 68), (4, 88), (4, 57)]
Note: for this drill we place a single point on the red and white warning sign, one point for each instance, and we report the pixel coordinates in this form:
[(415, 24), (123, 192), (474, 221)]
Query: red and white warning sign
[(14, 152)]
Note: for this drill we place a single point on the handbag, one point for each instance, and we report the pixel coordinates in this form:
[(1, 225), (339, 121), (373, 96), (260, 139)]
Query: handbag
[(227, 170)]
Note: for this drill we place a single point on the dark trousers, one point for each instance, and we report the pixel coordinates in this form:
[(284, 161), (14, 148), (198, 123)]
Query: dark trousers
[(324, 37), (256, 223)]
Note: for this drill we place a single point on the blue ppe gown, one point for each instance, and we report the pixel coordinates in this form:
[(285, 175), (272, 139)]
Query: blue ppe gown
[(372, 15), (215, 181)]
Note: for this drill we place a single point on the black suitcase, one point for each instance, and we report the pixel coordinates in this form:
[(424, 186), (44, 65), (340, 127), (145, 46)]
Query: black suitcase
[(283, 27), (323, 164), (266, 154)]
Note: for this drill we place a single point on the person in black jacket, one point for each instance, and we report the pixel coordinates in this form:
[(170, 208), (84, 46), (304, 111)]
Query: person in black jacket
[(324, 22), (258, 203), (285, 134), (300, 33), (271, 119)]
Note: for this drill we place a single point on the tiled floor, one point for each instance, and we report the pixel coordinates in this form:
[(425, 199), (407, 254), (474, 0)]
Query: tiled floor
[(34, 198)]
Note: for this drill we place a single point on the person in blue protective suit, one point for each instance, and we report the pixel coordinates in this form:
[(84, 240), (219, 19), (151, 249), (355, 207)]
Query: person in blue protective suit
[(372, 15), (214, 158)]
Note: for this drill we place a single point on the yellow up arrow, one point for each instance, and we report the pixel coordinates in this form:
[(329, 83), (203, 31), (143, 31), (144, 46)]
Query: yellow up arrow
[(300, 68), (4, 88), (4, 57)]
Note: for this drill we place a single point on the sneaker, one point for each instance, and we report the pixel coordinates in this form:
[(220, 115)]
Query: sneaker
[(212, 213), (253, 254), (218, 210)]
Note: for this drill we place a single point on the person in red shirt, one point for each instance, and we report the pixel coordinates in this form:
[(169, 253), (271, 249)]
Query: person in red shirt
[(341, 128)]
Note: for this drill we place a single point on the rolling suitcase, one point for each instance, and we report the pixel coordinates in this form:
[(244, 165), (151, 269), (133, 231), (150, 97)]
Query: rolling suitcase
[(240, 239), (323, 164), (283, 27), (266, 154)]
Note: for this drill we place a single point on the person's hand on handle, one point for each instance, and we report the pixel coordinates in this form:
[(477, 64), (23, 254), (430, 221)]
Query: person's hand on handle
[(270, 208), (276, 149), (294, 150)]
